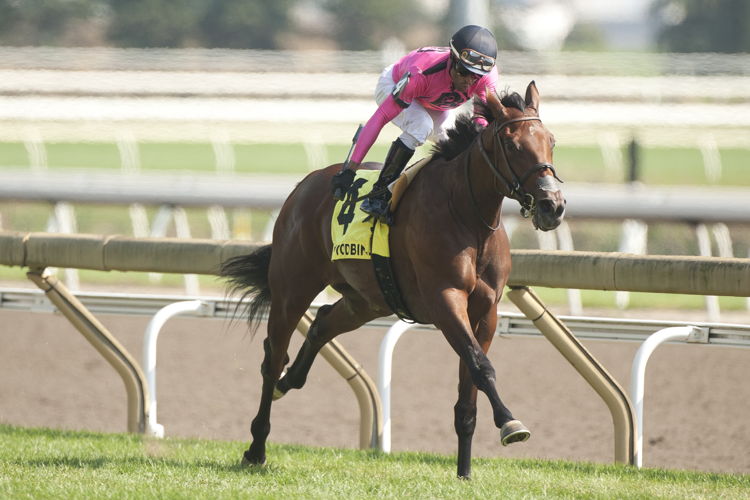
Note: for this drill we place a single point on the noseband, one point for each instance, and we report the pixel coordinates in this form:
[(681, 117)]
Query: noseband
[(514, 186)]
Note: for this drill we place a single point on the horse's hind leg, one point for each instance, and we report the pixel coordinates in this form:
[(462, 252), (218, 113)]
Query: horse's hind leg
[(285, 313), (348, 313), (465, 420)]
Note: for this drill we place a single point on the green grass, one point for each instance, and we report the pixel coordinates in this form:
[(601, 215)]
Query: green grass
[(39, 464), (249, 158), (659, 166)]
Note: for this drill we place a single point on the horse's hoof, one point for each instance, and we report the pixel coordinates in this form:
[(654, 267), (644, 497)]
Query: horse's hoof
[(514, 432), (252, 461), (277, 393)]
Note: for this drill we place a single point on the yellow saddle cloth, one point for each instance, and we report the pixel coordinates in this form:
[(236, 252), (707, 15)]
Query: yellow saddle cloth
[(355, 238)]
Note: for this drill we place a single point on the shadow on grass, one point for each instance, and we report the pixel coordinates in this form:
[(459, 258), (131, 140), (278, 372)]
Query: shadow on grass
[(627, 471), (145, 462), (410, 457)]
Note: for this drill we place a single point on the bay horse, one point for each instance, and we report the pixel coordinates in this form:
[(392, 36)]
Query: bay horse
[(449, 251)]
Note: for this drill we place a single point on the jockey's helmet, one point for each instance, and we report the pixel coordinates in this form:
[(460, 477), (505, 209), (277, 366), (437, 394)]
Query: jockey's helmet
[(475, 48)]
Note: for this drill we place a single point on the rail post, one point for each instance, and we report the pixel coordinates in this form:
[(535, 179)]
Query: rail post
[(370, 410), (104, 342), (590, 369)]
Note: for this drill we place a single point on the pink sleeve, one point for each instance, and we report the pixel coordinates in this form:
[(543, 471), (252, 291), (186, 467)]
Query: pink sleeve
[(387, 111), (488, 82)]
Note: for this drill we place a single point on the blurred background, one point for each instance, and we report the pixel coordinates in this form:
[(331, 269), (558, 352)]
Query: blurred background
[(194, 118)]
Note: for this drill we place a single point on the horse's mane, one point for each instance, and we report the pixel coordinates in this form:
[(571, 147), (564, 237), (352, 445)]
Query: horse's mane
[(463, 133)]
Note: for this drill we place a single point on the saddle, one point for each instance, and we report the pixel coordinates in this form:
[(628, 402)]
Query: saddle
[(398, 187)]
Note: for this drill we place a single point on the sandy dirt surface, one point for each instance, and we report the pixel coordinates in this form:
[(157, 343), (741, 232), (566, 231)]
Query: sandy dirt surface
[(696, 407)]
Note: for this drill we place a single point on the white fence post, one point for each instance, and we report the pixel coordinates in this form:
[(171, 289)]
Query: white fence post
[(223, 152), (151, 335), (638, 373), (711, 157), (385, 364), (36, 150), (633, 239)]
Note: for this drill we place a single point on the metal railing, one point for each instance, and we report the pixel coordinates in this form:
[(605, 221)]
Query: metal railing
[(650, 333)]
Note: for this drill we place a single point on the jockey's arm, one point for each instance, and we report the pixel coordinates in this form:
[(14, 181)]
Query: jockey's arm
[(480, 98), (387, 111)]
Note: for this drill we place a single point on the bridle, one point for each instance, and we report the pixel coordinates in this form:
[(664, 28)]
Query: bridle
[(514, 186)]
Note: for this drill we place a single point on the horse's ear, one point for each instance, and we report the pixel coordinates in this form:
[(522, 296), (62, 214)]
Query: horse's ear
[(532, 97), (497, 108)]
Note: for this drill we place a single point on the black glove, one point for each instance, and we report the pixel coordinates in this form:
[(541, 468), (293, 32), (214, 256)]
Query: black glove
[(341, 182)]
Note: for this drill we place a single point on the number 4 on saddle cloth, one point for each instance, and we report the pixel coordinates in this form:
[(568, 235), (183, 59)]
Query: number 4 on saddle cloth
[(357, 235)]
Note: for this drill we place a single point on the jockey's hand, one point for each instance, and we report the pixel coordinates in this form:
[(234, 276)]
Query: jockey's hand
[(479, 124), (341, 182)]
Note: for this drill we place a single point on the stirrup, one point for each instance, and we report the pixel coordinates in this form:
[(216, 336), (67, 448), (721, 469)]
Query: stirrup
[(374, 206), (378, 209)]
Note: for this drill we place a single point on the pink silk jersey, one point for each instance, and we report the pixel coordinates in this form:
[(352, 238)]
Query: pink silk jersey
[(429, 84)]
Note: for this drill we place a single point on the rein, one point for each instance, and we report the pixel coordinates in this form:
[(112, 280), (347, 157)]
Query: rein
[(475, 205), (514, 186)]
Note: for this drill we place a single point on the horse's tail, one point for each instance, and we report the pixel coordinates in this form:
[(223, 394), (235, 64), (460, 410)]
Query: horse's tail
[(248, 275)]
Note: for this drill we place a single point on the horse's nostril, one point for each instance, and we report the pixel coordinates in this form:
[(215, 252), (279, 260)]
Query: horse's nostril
[(550, 208), (547, 206), (560, 210)]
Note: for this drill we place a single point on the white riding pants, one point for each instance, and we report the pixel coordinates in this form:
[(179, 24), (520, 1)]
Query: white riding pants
[(416, 122)]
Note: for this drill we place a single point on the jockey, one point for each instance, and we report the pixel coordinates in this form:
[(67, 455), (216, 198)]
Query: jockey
[(418, 93)]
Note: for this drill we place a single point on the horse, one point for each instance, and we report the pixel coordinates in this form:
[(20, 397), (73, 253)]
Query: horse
[(450, 255)]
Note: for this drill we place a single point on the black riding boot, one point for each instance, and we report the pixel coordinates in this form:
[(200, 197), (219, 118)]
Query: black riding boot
[(376, 203)]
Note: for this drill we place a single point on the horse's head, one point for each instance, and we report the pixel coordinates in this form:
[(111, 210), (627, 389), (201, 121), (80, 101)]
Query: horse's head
[(523, 157)]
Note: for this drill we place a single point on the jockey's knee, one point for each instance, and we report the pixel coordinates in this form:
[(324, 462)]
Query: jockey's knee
[(412, 140)]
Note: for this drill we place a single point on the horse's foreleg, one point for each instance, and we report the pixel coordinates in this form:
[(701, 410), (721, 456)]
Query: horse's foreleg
[(466, 406), (511, 431), (451, 317)]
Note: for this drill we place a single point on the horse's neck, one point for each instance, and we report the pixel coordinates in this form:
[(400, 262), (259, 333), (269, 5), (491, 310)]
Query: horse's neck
[(482, 183)]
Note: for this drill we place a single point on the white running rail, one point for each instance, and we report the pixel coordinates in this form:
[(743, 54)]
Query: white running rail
[(164, 307), (151, 335), (638, 371), (583, 327), (385, 369)]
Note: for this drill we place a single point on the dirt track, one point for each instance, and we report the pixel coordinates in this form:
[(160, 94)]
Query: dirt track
[(696, 407)]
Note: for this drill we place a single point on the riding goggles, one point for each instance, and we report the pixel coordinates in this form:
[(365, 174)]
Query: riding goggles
[(475, 60)]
